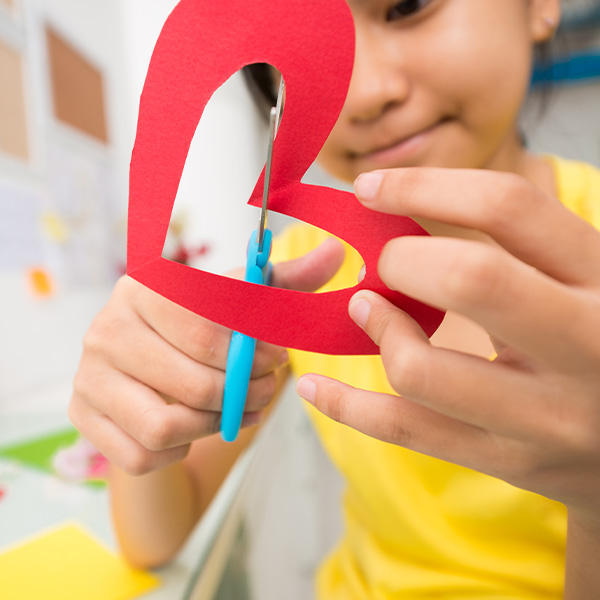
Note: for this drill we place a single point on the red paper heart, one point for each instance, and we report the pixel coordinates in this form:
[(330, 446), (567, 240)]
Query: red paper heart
[(201, 45)]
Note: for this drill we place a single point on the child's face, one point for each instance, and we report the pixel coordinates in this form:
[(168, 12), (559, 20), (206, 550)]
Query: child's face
[(437, 83)]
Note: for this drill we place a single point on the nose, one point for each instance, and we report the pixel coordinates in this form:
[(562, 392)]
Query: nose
[(379, 81)]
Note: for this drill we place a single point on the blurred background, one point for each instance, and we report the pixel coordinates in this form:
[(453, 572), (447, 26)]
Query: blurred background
[(71, 73)]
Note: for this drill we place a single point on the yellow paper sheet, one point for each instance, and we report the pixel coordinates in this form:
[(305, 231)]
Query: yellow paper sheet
[(68, 564)]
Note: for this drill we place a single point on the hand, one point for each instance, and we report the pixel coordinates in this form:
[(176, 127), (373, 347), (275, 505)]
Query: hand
[(532, 415), (151, 376)]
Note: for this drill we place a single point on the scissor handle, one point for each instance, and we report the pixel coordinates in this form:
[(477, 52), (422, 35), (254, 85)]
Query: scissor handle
[(242, 347)]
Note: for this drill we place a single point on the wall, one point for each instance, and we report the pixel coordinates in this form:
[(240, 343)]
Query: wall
[(568, 126), (41, 337), (74, 184)]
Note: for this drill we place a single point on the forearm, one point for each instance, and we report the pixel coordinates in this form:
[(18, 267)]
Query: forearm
[(582, 580), (153, 514)]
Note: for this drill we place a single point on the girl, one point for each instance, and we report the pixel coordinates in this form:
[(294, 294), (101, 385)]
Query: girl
[(436, 89)]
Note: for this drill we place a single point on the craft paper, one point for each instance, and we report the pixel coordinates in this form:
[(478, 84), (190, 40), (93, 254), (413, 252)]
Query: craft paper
[(201, 45), (68, 564), (47, 453), (41, 284), (38, 452)]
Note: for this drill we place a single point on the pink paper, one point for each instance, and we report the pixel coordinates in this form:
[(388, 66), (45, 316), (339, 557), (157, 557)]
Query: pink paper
[(201, 45)]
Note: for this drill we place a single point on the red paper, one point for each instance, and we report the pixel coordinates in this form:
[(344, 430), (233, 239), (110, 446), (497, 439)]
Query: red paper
[(201, 45)]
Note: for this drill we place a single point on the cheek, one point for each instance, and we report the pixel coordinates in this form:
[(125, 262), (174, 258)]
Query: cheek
[(487, 73), (334, 156)]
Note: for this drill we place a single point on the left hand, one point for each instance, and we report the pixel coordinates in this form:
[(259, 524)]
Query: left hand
[(532, 415)]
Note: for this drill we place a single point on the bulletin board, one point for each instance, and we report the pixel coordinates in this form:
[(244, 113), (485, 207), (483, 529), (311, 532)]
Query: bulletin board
[(13, 114), (77, 88)]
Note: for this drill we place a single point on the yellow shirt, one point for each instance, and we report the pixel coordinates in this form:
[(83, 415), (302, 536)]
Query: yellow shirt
[(417, 527)]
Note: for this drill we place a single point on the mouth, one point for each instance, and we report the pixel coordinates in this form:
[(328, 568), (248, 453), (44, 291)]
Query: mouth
[(398, 151)]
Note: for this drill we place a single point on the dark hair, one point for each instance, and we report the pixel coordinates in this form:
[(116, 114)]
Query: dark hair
[(261, 83), (543, 60)]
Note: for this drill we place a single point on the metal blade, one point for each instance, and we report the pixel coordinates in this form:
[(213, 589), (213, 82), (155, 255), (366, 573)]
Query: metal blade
[(274, 119)]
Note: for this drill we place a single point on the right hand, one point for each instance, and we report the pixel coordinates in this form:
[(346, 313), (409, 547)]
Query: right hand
[(151, 375)]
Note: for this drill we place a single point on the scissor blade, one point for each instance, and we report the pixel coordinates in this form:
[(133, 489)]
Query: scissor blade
[(265, 202), (274, 118)]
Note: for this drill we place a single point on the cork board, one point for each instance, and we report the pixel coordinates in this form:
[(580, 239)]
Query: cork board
[(13, 116), (77, 88)]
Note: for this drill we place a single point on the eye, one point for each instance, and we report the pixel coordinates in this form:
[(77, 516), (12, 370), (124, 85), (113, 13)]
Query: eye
[(406, 8)]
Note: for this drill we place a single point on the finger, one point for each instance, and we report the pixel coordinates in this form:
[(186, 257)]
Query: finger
[(448, 381), (145, 356), (200, 339), (311, 271), (118, 447), (143, 413), (517, 214), (511, 300), (398, 421)]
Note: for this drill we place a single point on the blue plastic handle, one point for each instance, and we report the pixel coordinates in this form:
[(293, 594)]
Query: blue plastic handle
[(242, 347)]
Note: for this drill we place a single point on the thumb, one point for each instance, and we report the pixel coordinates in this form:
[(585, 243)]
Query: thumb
[(311, 271)]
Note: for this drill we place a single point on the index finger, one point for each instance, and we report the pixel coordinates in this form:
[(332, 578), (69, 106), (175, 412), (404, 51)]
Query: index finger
[(200, 339), (531, 225)]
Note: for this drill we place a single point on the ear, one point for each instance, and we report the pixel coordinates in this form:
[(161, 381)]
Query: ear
[(544, 19)]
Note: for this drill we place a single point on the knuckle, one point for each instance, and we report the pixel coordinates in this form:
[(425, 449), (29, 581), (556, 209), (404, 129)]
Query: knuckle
[(334, 403), (80, 385), (125, 285), (210, 390), (74, 413), (411, 183), (516, 462), (197, 392), (205, 342), (138, 461), (213, 423), (392, 428), (522, 470), (378, 324), (474, 277), (157, 432), (265, 358), (509, 202), (578, 434), (261, 391), (104, 331), (405, 366), (93, 338)]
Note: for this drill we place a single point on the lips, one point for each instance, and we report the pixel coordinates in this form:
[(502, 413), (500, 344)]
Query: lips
[(389, 153)]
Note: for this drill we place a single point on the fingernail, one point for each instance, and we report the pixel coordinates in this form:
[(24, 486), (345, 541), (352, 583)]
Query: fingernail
[(307, 389), (367, 185), (359, 311), (362, 273)]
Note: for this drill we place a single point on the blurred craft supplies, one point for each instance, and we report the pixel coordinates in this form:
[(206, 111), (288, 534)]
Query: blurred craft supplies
[(258, 270)]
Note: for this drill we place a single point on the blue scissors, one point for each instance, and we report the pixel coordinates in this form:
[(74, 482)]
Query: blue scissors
[(258, 270)]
